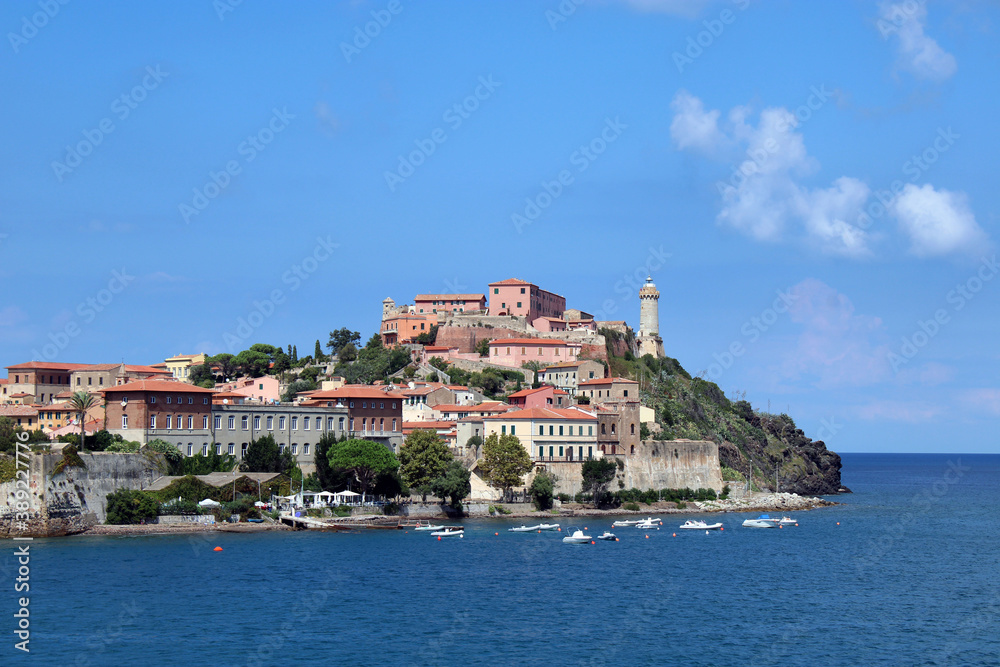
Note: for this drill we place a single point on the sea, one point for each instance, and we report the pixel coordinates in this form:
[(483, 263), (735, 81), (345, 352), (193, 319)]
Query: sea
[(906, 571)]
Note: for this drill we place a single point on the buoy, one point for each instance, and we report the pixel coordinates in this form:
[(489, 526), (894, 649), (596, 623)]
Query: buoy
[(559, 529), (796, 525), (723, 527), (462, 536), (838, 523), (780, 526), (647, 537), (439, 538), (585, 528), (616, 539), (706, 532), (675, 535), (496, 533), (217, 549), (593, 542)]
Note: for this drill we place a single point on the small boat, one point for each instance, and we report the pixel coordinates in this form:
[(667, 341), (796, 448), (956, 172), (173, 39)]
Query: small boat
[(700, 525), (608, 537), (625, 523), (648, 524), (763, 521), (427, 527), (788, 521), (576, 538), (524, 529), (547, 526), (449, 532)]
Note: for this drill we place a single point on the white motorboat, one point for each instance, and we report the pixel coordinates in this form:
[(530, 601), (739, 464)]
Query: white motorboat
[(788, 521), (547, 526), (625, 523), (649, 524), (700, 525), (763, 521), (524, 529), (577, 538), (449, 532), (608, 537), (428, 527)]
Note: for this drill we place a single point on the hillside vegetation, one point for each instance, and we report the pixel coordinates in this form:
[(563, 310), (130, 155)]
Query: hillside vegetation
[(770, 444)]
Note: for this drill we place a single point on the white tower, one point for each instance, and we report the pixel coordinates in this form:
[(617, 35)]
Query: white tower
[(649, 320)]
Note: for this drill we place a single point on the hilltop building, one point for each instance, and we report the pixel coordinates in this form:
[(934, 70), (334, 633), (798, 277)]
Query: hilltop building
[(649, 340)]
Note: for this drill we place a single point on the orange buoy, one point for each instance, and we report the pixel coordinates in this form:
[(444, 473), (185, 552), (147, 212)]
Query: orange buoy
[(647, 537), (838, 523), (723, 527), (585, 528), (496, 533), (560, 530), (796, 525), (674, 535), (593, 542), (217, 549), (439, 538), (616, 539), (539, 531)]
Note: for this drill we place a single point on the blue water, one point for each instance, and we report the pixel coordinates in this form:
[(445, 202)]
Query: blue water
[(910, 576)]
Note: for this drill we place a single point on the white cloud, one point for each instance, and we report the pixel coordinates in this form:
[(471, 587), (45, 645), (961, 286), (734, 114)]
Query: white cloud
[(917, 53), (938, 222), (693, 127), (900, 411), (987, 400), (762, 197)]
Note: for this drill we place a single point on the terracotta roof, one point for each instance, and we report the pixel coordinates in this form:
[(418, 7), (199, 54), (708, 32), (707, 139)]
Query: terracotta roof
[(99, 367), (4, 380), (354, 391), (563, 364), (482, 407), (437, 347), (546, 413), (47, 365), (20, 394), (18, 411), (457, 387), (596, 381), (529, 341), (147, 369), (511, 281), (449, 297), (529, 392), (158, 385)]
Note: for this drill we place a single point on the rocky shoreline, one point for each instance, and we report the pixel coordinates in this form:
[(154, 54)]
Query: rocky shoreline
[(759, 502)]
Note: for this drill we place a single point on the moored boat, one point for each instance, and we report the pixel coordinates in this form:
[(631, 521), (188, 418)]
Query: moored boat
[(427, 526), (577, 538), (548, 526), (524, 529), (625, 523), (449, 532), (649, 524), (607, 537), (700, 525), (788, 521), (763, 521)]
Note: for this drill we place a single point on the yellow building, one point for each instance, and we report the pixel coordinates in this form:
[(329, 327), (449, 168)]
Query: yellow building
[(180, 365), (549, 434)]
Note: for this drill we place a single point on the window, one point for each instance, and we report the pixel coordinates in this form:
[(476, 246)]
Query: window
[(169, 421), (204, 401), (204, 422), (352, 424), (539, 351), (244, 422), (231, 449), (204, 449), (550, 429), (381, 406), (305, 423), (218, 448), (626, 393), (190, 449), (190, 422), (518, 304), (329, 423), (364, 404), (152, 399), (522, 292), (393, 424), (180, 399), (100, 381), (270, 423), (560, 429), (190, 400), (281, 423), (152, 421), (632, 427), (217, 421), (394, 405), (590, 430), (513, 427), (523, 352), (550, 451), (496, 290), (560, 450), (612, 428), (232, 422), (295, 448), (260, 386), (243, 449), (295, 423), (256, 422), (541, 430), (352, 404), (541, 452), (169, 398), (503, 429), (590, 452)]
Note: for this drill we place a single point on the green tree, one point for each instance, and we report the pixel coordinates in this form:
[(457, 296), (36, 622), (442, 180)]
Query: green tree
[(597, 474), (428, 337), (483, 347), (295, 355), (296, 387), (169, 451), (342, 337), (329, 478), (439, 363), (454, 483), (264, 455), (318, 352), (432, 377), (504, 462), (81, 402), (252, 363), (271, 351), (542, 490), (8, 435), (364, 459), (423, 458), (644, 431), (126, 506), (473, 445), (226, 363), (281, 363), (124, 447), (348, 353), (202, 375)]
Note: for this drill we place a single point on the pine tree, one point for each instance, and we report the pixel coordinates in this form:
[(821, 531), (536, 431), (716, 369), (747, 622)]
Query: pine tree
[(318, 353)]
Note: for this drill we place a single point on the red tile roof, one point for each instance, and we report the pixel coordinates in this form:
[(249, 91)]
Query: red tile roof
[(354, 391), (155, 370), (158, 385), (512, 281), (606, 381), (449, 297), (4, 380), (529, 392), (482, 407), (428, 425), (20, 394), (546, 413), (47, 365), (18, 411)]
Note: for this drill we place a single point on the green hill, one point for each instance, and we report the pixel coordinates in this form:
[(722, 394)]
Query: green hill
[(694, 408)]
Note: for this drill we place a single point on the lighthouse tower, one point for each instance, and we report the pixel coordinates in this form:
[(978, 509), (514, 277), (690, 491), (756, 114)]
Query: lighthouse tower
[(649, 320)]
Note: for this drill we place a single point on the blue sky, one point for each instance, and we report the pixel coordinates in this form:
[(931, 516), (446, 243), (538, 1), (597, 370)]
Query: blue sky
[(219, 155)]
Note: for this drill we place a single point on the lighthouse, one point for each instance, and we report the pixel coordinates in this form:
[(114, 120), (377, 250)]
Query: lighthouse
[(649, 320)]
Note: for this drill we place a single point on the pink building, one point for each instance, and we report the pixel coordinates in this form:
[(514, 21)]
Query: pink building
[(264, 389), (523, 299), (543, 397), (515, 352), (448, 303)]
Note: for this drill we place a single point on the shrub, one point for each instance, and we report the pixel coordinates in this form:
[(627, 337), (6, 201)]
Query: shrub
[(180, 507), (632, 507), (390, 509), (681, 504), (126, 506), (563, 497)]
